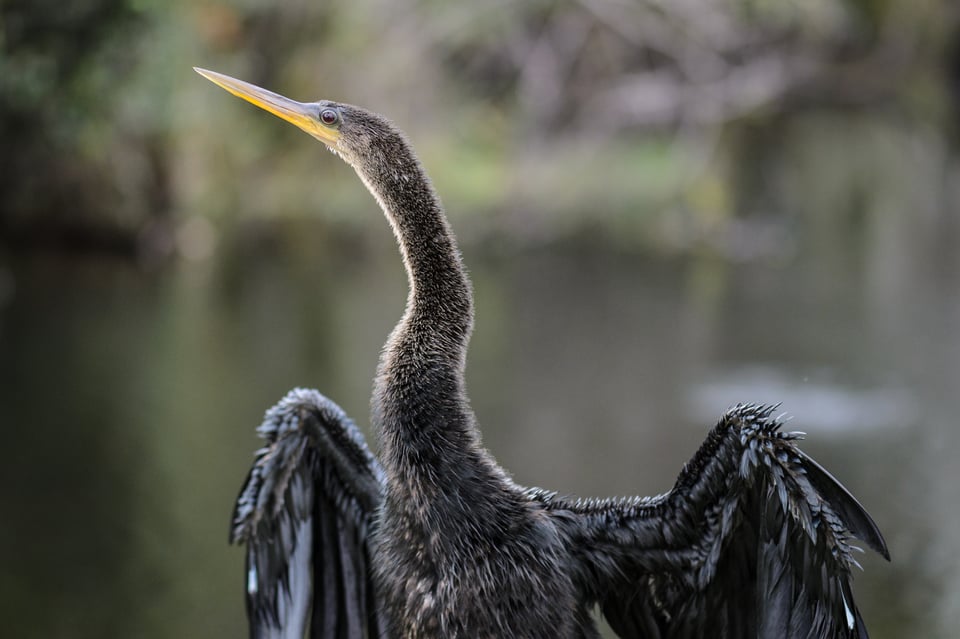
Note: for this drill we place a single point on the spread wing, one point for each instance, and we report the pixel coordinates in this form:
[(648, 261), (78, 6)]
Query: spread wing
[(305, 514), (754, 540)]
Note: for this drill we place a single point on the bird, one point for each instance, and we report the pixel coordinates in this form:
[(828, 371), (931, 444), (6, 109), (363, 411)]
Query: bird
[(432, 538)]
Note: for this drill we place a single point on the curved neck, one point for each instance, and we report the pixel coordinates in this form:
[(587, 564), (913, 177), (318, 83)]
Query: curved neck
[(420, 408)]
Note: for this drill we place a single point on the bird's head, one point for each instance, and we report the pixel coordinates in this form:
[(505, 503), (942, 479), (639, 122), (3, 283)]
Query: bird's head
[(351, 132)]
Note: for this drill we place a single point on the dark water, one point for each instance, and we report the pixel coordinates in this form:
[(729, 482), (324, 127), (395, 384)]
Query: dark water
[(128, 402)]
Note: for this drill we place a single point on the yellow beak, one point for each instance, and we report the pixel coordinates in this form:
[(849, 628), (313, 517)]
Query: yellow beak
[(301, 114)]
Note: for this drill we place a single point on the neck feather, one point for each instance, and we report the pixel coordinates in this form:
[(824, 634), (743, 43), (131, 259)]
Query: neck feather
[(420, 408)]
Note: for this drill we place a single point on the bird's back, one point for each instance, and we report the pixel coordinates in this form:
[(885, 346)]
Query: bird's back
[(505, 573)]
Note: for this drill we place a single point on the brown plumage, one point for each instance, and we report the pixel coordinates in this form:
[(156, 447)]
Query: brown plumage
[(436, 540)]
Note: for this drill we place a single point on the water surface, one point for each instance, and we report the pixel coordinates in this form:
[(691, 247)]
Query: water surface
[(129, 401)]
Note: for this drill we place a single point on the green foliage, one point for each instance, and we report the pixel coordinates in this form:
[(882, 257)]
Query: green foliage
[(60, 64), (557, 116)]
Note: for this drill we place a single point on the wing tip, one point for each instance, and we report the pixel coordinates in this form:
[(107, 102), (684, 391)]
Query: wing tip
[(855, 517)]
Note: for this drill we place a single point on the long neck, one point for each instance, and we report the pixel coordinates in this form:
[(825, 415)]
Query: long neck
[(420, 408)]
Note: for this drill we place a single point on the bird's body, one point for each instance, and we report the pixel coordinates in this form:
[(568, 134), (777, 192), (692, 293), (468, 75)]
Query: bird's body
[(506, 576), (434, 539), (451, 518)]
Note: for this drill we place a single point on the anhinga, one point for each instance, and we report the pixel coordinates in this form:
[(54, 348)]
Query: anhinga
[(434, 539)]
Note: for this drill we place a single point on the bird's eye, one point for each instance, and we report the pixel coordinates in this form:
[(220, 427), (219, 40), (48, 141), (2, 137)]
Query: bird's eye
[(329, 117)]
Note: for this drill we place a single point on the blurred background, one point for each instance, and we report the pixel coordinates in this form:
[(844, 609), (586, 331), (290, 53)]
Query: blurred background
[(667, 207)]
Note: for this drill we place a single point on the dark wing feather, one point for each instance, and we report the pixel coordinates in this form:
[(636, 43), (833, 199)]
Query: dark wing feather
[(753, 541), (305, 514)]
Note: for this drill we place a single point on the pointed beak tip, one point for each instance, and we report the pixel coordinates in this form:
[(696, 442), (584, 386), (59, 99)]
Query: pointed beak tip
[(297, 113), (204, 72)]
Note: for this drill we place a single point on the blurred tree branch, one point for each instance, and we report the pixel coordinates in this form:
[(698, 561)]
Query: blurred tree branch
[(556, 71)]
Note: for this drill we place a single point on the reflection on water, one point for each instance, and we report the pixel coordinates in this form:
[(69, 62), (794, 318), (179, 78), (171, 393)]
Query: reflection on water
[(827, 403), (129, 402)]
